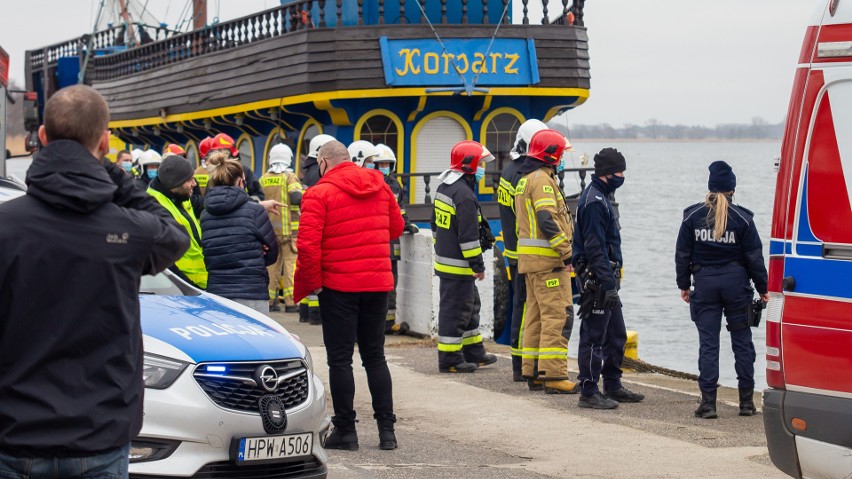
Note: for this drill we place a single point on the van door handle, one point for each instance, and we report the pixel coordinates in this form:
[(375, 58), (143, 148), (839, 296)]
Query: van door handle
[(788, 283)]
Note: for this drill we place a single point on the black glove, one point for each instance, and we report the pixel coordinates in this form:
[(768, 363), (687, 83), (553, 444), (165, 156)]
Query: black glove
[(411, 229), (611, 298)]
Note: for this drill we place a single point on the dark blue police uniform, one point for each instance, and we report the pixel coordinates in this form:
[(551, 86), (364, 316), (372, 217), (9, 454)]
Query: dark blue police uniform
[(597, 243)]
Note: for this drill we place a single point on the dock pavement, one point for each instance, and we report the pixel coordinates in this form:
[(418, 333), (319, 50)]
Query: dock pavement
[(483, 425)]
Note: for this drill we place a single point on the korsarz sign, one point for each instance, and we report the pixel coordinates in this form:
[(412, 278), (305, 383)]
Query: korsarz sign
[(425, 62)]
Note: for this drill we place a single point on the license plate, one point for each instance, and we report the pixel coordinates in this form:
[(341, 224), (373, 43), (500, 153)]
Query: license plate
[(274, 447)]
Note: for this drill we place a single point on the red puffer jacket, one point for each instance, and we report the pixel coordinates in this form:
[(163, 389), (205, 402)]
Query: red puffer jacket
[(348, 221)]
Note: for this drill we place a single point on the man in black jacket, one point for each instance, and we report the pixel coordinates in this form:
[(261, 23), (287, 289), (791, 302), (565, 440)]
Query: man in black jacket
[(71, 369)]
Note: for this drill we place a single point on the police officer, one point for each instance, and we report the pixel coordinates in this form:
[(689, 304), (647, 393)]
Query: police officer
[(456, 221), (718, 246), (385, 163), (509, 179), (545, 229), (281, 183), (597, 257)]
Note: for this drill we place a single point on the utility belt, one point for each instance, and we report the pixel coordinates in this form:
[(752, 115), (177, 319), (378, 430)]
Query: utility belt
[(696, 267), (592, 293)]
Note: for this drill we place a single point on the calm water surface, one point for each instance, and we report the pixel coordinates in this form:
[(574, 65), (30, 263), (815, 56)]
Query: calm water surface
[(661, 180)]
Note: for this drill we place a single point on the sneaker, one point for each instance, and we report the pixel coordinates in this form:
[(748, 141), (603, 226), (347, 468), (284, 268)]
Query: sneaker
[(563, 386), (597, 401), (624, 395), (459, 368)]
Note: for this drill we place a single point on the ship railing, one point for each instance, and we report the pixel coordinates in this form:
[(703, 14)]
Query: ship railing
[(308, 14)]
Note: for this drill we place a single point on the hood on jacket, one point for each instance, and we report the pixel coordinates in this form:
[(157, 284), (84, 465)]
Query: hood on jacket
[(356, 182), (65, 175), (221, 200)]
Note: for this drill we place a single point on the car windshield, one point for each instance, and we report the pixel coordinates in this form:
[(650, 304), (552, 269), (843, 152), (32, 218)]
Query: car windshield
[(165, 284)]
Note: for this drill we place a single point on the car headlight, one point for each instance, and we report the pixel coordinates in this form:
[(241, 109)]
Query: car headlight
[(159, 372), (309, 360)]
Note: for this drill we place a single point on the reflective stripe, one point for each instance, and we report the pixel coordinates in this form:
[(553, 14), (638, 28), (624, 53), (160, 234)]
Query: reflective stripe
[(558, 240), (472, 253), (508, 185), (511, 254), (472, 340), (442, 268), (548, 356), (449, 340), (531, 219), (440, 205), (545, 202), (534, 242), (451, 261), (537, 251), (517, 351), (449, 348), (294, 187), (472, 332), (313, 303), (469, 245), (402, 211), (446, 200)]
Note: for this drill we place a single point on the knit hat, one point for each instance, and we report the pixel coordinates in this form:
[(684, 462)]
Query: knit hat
[(609, 161), (174, 171), (722, 178)]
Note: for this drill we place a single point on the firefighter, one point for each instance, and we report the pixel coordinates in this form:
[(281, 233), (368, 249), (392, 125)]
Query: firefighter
[(149, 164), (544, 257), (280, 182), (506, 204), (172, 149), (202, 176), (385, 163), (456, 223), (362, 152), (597, 256), (222, 141)]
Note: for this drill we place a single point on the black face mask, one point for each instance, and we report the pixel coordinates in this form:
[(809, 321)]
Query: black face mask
[(319, 168), (615, 182)]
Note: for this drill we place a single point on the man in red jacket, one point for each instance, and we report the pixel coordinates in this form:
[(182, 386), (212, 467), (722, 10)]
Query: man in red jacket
[(348, 220)]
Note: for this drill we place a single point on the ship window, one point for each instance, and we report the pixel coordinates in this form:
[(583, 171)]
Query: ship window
[(307, 135), (246, 150), (499, 139), (381, 129)]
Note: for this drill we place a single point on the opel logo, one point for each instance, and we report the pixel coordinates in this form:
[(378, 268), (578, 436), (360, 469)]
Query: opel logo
[(267, 377)]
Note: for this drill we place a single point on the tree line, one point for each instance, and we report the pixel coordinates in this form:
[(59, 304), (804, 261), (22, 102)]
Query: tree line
[(758, 129)]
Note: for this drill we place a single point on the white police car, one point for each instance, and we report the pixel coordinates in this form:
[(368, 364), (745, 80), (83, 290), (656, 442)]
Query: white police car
[(229, 393)]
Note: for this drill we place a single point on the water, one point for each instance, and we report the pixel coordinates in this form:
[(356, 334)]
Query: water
[(662, 179)]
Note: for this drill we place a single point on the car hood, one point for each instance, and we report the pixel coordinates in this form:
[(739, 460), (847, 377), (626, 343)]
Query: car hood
[(208, 330)]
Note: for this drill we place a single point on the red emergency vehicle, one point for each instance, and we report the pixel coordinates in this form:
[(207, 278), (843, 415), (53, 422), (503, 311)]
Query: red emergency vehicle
[(808, 405)]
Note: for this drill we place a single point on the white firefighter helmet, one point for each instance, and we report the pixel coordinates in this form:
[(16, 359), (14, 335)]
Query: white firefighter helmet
[(385, 154), (149, 157), (136, 153), (281, 154), (317, 142), (361, 150), (525, 134)]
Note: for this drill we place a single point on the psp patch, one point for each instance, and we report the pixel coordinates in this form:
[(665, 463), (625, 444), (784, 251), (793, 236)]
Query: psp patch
[(552, 283), (272, 414), (547, 189)]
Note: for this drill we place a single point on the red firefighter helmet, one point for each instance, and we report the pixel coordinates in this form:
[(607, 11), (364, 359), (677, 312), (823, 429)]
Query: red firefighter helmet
[(548, 146), (223, 142), (172, 149), (467, 155), (204, 146)]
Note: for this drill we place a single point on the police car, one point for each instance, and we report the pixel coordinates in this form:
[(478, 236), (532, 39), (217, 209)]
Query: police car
[(228, 391)]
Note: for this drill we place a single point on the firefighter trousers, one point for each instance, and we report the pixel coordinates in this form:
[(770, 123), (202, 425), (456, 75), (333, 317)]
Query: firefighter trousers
[(459, 339), (545, 349), (518, 306), (283, 270)]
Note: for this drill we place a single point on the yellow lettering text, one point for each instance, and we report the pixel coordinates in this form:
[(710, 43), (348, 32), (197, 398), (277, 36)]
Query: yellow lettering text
[(459, 69), (447, 57), (479, 65), (508, 68), (433, 68), (494, 57), (409, 62)]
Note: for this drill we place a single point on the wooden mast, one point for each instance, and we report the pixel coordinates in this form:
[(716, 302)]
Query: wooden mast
[(199, 14), (131, 37)]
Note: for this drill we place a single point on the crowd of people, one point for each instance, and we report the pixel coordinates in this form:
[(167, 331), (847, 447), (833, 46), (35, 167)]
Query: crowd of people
[(327, 241)]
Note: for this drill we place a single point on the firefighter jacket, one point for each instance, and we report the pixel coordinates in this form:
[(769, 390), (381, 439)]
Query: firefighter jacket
[(392, 182), (506, 203), (545, 227), (455, 229), (191, 264), (202, 176), (286, 188)]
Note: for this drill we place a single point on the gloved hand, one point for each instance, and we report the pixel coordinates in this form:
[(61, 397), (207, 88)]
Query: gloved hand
[(411, 229), (611, 298)]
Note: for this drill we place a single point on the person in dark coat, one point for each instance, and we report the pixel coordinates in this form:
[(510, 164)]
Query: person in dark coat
[(71, 384), (237, 237)]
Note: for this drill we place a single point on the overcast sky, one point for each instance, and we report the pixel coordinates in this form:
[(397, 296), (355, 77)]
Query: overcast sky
[(694, 62)]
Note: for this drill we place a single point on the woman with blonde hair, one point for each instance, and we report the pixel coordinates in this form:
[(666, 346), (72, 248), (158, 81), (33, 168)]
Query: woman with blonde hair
[(719, 248), (237, 236)]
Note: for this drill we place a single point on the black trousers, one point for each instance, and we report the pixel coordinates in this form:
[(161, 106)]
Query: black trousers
[(349, 318), (459, 339), (602, 339), (518, 305)]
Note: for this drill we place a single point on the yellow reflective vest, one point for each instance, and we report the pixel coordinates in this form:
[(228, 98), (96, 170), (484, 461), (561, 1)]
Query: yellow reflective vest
[(191, 264), (545, 227), (202, 176)]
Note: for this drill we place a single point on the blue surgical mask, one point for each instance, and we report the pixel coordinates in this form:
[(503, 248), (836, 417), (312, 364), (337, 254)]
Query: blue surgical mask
[(561, 166), (371, 166), (127, 166), (615, 182), (385, 170), (152, 174), (480, 173)]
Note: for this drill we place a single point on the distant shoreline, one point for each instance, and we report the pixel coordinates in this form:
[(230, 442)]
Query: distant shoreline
[(668, 140)]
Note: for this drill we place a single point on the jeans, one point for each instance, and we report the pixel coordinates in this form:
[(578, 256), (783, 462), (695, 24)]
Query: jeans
[(107, 465), (349, 318)]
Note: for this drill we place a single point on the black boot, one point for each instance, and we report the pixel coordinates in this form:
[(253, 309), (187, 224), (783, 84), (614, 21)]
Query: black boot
[(303, 312), (516, 370), (343, 436), (387, 439), (747, 402), (707, 408)]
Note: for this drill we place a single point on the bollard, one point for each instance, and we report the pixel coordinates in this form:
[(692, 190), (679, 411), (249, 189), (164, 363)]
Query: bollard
[(631, 347)]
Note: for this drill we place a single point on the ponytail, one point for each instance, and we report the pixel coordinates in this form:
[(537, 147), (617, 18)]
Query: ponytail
[(717, 217), (223, 169)]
